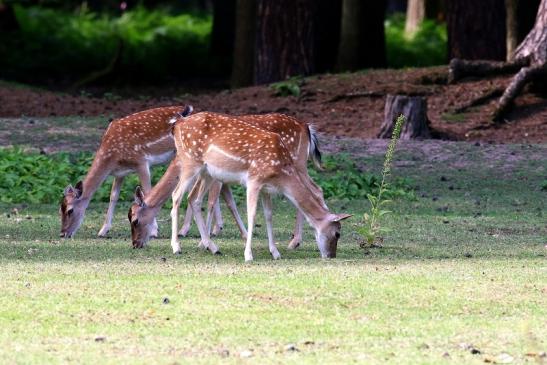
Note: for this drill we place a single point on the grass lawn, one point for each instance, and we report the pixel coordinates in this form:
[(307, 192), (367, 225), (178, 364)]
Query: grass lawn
[(461, 279)]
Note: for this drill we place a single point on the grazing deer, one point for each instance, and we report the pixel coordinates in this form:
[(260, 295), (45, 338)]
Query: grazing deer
[(215, 146), (301, 140), (130, 144)]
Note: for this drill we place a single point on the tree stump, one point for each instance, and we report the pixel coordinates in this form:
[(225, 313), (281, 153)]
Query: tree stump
[(414, 108)]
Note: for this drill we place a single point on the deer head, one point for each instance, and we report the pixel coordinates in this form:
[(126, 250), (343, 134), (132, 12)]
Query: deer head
[(72, 210), (141, 218)]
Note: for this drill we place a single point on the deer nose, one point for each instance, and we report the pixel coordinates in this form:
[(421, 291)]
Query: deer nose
[(62, 235)]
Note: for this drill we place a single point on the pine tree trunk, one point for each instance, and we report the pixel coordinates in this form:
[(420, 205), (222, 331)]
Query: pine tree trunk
[(285, 39), (327, 34), (521, 15), (415, 14), (476, 29), (244, 44), (362, 38)]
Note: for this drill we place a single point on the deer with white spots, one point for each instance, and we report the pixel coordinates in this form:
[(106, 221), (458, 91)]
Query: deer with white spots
[(298, 136), (130, 144), (213, 146)]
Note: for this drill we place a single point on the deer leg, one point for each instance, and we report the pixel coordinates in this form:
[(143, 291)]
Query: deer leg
[(230, 202), (114, 195), (267, 206), (195, 199), (187, 177), (253, 189), (213, 209), (187, 221), (144, 176), (297, 234)]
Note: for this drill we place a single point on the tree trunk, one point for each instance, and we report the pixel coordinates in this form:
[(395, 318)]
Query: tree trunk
[(476, 29), (414, 108), (327, 34), (362, 38), (415, 14), (285, 39), (521, 15), (244, 44), (8, 21), (223, 32)]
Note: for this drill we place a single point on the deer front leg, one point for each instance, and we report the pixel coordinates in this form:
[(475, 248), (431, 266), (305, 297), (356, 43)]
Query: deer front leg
[(297, 234), (187, 177), (195, 199), (253, 189), (230, 202), (143, 171), (114, 195), (267, 206)]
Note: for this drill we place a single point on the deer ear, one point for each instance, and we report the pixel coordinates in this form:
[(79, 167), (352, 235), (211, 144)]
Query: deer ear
[(139, 196), (79, 189), (341, 217), (68, 190)]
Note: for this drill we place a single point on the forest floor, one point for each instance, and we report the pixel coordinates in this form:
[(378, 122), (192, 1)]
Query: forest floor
[(342, 105)]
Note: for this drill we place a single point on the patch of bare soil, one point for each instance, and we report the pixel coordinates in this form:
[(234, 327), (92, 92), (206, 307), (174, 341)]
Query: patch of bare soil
[(345, 105)]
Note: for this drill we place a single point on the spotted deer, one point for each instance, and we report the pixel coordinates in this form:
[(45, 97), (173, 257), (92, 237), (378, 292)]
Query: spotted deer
[(225, 148), (298, 136), (129, 144)]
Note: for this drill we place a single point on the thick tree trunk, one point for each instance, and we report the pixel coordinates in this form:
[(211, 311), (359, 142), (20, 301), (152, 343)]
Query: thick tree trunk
[(521, 15), (244, 44), (285, 39), (414, 108), (223, 33), (476, 29), (327, 34), (415, 14), (362, 38)]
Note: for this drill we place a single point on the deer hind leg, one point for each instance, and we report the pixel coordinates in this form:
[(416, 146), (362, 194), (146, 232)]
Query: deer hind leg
[(187, 221), (187, 177), (267, 206), (297, 234), (144, 176), (213, 209), (195, 199), (230, 202), (253, 190), (114, 195)]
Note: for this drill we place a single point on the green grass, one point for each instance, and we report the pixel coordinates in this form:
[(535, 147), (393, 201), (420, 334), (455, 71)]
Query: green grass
[(464, 265)]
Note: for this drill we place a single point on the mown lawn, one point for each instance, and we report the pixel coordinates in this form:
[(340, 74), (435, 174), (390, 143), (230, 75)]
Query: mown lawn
[(461, 279)]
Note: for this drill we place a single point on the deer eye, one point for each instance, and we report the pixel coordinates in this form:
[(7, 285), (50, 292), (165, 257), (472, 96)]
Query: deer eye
[(135, 222), (69, 212), (337, 235)]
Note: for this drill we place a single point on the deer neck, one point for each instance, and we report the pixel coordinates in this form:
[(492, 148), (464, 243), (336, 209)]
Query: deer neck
[(98, 172), (311, 204), (162, 191)]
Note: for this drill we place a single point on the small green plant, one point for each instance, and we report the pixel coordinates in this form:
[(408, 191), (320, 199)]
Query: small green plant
[(372, 230), (288, 87)]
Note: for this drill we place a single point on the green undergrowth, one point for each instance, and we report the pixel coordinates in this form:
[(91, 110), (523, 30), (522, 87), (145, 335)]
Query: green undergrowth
[(38, 178)]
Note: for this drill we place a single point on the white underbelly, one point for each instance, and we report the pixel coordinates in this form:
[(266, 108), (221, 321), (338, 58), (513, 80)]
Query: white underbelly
[(218, 173), (159, 158)]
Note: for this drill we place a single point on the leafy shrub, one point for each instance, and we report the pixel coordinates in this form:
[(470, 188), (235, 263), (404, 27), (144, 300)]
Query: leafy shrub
[(55, 43), (427, 47), (36, 178), (288, 87)]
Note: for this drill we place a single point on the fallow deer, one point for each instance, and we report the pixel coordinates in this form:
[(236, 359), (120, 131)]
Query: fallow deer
[(215, 146), (298, 136), (129, 144)]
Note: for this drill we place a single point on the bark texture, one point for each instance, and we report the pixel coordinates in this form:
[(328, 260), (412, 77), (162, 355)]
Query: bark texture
[(415, 14), (244, 43), (285, 39), (476, 29), (362, 38), (414, 108)]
